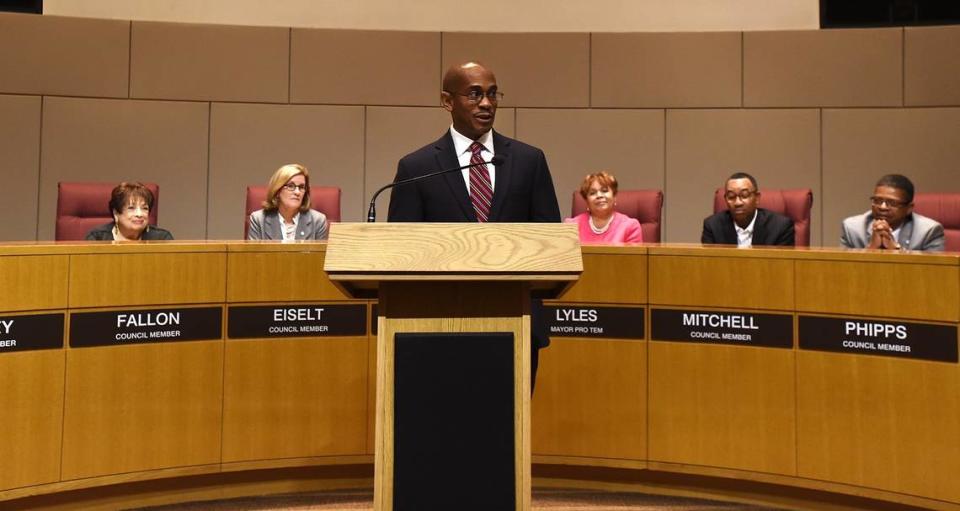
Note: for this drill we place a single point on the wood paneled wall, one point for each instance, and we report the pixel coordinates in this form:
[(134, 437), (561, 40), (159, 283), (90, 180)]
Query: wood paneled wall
[(205, 110)]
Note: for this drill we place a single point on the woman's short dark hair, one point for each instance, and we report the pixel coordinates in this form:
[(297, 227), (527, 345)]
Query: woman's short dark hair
[(125, 192)]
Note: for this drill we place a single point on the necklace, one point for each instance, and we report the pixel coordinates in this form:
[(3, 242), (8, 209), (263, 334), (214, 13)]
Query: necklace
[(599, 230)]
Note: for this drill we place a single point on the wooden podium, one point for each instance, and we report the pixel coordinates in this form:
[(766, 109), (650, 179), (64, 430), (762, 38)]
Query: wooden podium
[(453, 348)]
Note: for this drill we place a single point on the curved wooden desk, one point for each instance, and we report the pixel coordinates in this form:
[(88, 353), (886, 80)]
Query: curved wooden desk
[(234, 416)]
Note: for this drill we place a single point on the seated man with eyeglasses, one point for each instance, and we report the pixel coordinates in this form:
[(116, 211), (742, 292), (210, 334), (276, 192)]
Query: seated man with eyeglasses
[(743, 223), (891, 222)]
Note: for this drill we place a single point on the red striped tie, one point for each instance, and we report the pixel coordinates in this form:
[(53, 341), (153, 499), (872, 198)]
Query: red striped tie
[(481, 193)]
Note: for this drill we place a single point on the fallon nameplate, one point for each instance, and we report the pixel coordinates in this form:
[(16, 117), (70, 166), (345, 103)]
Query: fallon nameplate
[(117, 328)]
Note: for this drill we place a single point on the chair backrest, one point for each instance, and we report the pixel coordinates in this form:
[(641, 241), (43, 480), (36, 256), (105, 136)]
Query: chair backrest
[(325, 199), (644, 205), (83, 206), (944, 208), (793, 203)]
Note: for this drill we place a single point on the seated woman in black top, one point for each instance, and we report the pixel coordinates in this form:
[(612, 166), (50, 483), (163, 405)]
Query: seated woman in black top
[(130, 205)]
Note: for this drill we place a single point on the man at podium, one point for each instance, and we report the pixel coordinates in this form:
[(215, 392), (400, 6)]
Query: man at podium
[(518, 188)]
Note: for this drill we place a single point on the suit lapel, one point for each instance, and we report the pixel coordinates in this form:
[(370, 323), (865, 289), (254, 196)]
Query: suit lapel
[(729, 232), (759, 228), (906, 232), (447, 158), (304, 225), (271, 226), (501, 147)]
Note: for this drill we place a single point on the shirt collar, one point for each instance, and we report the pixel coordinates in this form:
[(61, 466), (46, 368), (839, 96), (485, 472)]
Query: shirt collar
[(462, 143), (749, 228)]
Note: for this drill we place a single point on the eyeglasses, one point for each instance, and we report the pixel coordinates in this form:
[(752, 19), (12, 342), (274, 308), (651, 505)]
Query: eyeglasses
[(744, 194), (890, 203), (291, 187), (476, 96)]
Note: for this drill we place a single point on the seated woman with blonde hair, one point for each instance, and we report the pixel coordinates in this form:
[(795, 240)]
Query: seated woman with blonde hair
[(130, 205), (601, 224), (286, 213)]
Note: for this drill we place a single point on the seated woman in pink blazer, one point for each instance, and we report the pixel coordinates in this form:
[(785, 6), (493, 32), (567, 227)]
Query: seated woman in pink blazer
[(601, 224)]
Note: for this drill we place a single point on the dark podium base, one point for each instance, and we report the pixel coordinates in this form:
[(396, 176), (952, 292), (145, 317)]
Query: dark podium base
[(453, 422)]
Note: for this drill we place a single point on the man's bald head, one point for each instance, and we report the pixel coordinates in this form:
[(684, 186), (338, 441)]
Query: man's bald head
[(458, 75), (470, 94)]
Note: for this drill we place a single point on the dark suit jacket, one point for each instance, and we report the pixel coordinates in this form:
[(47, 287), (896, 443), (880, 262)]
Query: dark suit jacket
[(523, 190), (105, 233), (769, 229)]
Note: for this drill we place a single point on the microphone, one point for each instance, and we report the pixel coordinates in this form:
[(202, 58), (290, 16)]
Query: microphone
[(372, 211)]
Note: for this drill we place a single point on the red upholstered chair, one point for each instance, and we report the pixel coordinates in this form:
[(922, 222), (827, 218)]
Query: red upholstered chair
[(325, 199), (644, 205), (794, 203), (944, 208), (83, 206)]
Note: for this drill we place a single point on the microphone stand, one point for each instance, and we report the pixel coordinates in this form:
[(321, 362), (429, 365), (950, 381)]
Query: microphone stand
[(372, 210)]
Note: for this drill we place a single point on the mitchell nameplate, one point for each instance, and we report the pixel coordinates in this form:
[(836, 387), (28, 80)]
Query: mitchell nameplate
[(722, 327)]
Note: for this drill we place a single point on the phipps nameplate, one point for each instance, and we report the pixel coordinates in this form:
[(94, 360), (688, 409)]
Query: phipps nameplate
[(877, 337), (116, 328), (302, 320)]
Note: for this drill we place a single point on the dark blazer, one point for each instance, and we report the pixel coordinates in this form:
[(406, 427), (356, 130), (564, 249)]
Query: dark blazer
[(523, 192), (105, 233), (523, 189), (769, 229)]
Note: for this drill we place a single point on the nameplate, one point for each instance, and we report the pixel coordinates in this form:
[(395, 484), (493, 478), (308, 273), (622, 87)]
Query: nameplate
[(595, 322), (117, 328), (31, 332), (722, 327), (919, 341), (301, 320)]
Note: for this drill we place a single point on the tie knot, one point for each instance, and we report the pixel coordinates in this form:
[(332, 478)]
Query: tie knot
[(476, 147)]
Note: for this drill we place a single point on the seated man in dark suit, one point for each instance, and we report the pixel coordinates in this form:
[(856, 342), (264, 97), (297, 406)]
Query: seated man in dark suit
[(743, 223), (519, 189), (891, 223)]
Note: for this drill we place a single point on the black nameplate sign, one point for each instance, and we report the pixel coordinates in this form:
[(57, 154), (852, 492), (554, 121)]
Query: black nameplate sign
[(31, 332), (301, 320), (722, 327), (599, 322), (919, 341), (118, 328)]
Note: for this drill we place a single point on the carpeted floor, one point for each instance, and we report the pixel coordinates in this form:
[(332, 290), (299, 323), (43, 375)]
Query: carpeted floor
[(546, 500)]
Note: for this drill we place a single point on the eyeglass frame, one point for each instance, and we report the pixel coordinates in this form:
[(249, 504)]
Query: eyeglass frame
[(890, 203), (292, 187), (494, 96), (743, 195)]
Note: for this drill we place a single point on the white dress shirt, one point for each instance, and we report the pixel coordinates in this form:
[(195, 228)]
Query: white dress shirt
[(745, 235), (462, 145)]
